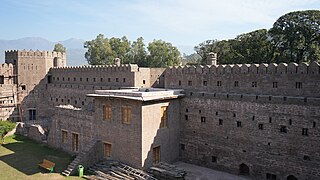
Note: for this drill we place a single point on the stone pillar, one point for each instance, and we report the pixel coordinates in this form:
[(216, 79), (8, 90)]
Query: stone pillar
[(212, 58)]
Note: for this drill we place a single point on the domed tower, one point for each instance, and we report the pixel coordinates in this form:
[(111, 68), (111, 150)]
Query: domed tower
[(212, 58)]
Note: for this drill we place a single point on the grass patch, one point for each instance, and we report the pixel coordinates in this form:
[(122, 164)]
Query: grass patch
[(20, 156)]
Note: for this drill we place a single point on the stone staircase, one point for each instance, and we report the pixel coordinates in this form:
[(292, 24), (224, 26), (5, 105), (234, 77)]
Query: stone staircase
[(72, 167)]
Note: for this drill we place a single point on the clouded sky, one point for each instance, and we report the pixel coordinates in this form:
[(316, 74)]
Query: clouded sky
[(181, 22)]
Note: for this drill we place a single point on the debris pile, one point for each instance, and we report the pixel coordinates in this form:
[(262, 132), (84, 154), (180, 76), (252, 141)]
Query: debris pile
[(167, 171), (115, 170)]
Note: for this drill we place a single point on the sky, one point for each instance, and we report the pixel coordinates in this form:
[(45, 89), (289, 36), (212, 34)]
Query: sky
[(181, 22)]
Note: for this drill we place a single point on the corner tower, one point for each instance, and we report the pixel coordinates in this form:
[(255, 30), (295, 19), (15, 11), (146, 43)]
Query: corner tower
[(32, 66)]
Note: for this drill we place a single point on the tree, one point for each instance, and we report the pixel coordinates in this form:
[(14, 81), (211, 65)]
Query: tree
[(296, 36), (5, 127), (138, 52), (253, 47), (191, 59), (120, 48), (99, 51), (204, 48), (162, 54), (59, 48)]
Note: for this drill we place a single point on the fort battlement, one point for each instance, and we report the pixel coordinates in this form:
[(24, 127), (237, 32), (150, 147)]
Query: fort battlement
[(31, 53), (6, 66), (282, 68), (98, 68)]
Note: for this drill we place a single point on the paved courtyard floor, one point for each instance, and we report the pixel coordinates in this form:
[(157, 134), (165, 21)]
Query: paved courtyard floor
[(195, 172)]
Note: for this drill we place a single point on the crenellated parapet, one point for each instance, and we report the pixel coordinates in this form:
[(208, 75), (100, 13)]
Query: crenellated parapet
[(31, 53), (98, 68), (6, 69), (282, 68)]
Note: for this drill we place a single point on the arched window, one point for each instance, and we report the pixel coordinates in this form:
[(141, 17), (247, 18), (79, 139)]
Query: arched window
[(292, 177), (244, 169)]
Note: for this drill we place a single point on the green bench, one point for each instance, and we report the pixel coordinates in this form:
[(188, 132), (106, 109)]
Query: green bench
[(46, 164)]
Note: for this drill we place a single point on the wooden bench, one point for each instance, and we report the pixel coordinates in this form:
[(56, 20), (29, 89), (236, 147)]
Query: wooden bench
[(47, 165)]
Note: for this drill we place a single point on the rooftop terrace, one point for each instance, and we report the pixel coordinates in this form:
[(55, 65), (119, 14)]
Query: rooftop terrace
[(140, 94)]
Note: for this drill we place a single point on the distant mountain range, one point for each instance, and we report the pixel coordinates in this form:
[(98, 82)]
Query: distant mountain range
[(75, 50)]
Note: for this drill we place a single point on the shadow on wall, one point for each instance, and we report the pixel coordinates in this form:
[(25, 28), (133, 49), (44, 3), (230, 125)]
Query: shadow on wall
[(27, 154), (165, 144)]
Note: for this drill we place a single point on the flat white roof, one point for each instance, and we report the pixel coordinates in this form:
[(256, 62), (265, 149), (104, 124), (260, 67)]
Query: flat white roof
[(140, 94)]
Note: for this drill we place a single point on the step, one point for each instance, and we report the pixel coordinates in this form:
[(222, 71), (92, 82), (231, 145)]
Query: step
[(65, 174)]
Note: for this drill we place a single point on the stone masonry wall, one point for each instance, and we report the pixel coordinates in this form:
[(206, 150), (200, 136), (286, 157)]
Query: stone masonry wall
[(282, 80), (222, 133)]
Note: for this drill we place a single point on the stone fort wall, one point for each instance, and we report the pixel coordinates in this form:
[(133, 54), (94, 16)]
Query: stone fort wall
[(283, 79), (264, 117)]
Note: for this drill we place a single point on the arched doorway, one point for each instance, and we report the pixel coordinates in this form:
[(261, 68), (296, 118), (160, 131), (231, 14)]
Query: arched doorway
[(292, 177), (244, 169)]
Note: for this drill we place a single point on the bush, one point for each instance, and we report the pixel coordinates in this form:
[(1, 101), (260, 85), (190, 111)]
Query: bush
[(5, 127)]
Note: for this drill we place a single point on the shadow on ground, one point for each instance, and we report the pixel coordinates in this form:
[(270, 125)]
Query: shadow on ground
[(27, 154)]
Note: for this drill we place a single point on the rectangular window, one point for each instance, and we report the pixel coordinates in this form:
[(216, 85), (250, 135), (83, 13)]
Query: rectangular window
[(75, 142), (109, 79), (219, 83), (124, 79), (117, 79), (80, 79), (182, 147), (179, 83), (32, 114), (107, 149), (203, 119), (270, 119), (283, 129), (238, 123), (186, 117), (156, 155), (74, 79), (275, 85), (214, 159), (254, 84), (107, 112), (189, 83), (144, 82), (236, 84), (305, 131), (64, 136), (260, 126), (1, 79), (204, 83), (23, 87), (298, 85), (49, 78), (164, 117), (126, 114), (220, 122)]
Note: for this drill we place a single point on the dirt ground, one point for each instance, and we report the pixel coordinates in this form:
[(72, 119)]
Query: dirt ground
[(201, 173)]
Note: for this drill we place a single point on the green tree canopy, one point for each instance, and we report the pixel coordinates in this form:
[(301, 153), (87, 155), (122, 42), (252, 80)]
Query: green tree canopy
[(99, 51), (5, 127), (59, 48), (138, 52), (163, 54), (296, 36), (103, 51)]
